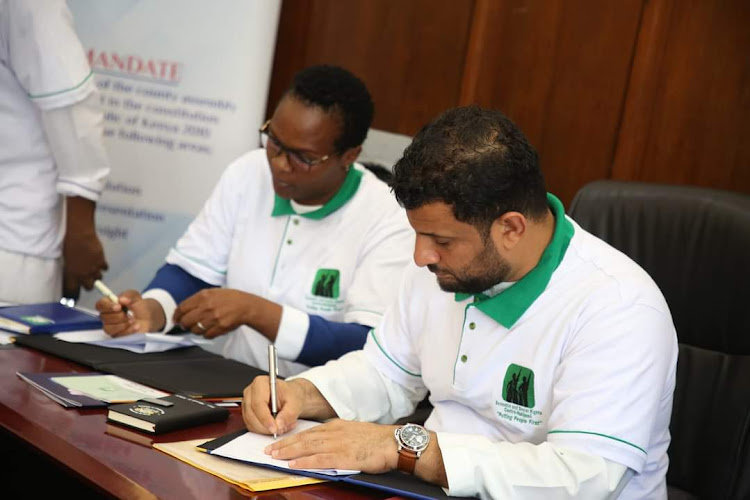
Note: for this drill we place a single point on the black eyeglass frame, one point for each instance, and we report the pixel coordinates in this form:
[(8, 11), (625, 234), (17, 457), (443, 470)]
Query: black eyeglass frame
[(295, 157)]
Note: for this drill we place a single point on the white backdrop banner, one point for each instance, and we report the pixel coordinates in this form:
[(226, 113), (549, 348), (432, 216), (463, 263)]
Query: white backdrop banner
[(183, 85)]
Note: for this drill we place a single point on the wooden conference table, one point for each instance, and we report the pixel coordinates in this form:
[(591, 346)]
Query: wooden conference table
[(50, 449)]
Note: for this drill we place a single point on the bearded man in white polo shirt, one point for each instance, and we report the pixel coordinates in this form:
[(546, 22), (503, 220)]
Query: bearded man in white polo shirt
[(52, 159), (298, 245), (548, 355)]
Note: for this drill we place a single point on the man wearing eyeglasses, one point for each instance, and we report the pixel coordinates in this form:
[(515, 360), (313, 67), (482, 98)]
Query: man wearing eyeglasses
[(298, 245)]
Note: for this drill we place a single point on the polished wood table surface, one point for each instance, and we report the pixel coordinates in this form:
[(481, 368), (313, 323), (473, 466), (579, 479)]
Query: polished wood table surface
[(77, 441)]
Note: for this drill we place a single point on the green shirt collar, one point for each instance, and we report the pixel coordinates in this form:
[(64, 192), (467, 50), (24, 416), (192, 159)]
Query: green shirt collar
[(345, 193), (509, 305)]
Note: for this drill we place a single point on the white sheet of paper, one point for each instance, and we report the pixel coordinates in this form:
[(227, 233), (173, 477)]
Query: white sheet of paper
[(6, 338), (138, 342), (249, 448), (108, 388), (82, 336)]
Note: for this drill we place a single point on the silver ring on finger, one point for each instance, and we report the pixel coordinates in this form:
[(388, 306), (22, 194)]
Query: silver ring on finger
[(200, 325)]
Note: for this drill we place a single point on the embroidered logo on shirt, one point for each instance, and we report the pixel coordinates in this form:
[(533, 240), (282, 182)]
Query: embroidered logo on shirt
[(326, 283), (514, 399), (518, 386)]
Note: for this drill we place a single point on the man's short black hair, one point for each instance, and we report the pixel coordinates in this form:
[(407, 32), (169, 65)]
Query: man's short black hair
[(475, 160), (335, 89)]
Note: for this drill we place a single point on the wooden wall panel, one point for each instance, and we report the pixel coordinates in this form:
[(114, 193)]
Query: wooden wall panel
[(687, 114), (410, 53), (559, 69), (652, 90)]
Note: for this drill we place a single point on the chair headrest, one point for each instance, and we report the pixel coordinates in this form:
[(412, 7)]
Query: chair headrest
[(695, 244)]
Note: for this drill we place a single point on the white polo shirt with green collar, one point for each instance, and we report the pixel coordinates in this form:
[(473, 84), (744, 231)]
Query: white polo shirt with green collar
[(579, 356), (342, 261)]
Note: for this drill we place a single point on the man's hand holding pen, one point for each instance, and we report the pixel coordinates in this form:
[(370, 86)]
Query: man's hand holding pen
[(147, 314), (337, 444), (257, 411)]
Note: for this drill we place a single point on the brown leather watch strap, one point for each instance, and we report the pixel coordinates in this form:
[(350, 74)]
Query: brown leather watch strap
[(407, 460)]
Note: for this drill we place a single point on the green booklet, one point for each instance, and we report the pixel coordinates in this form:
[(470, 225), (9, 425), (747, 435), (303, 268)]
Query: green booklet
[(108, 388)]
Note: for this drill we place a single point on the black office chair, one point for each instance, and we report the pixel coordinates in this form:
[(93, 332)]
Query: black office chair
[(695, 243), (380, 171)]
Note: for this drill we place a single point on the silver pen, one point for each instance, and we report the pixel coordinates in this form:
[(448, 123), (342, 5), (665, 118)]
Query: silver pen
[(272, 372)]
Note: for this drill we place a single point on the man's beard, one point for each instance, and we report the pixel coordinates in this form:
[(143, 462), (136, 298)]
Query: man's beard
[(486, 270)]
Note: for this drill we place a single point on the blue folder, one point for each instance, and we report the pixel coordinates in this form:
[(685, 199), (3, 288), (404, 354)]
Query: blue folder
[(46, 318), (394, 482)]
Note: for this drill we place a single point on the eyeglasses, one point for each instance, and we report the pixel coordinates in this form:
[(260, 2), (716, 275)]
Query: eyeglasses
[(296, 159)]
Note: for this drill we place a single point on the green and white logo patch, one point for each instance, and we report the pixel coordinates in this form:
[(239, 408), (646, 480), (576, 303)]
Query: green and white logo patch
[(518, 386), (326, 283), (325, 294), (514, 397)]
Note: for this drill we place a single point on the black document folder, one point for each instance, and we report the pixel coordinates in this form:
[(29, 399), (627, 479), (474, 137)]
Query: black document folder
[(95, 356), (213, 377), (191, 371), (395, 482)]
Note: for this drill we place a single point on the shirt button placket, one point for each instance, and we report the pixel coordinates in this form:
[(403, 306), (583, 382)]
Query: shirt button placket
[(295, 222)]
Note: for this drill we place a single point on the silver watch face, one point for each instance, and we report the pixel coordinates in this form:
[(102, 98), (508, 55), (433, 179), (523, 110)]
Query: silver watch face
[(414, 437)]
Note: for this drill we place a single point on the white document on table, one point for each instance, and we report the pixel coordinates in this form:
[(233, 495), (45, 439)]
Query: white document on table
[(137, 342), (249, 448)]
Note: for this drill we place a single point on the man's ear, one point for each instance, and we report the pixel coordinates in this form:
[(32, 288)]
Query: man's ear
[(351, 155), (508, 229)]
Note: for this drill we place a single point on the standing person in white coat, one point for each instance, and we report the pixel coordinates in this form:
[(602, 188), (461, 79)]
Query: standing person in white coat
[(298, 244), (549, 356), (52, 161)]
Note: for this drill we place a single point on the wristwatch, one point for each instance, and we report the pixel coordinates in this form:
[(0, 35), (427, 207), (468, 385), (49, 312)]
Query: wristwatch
[(412, 440)]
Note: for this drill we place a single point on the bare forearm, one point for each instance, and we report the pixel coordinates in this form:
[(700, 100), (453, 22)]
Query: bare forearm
[(80, 217), (264, 316), (430, 465), (83, 254), (156, 315)]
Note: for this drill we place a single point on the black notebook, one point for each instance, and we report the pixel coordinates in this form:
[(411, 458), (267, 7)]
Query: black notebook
[(166, 414), (207, 378)]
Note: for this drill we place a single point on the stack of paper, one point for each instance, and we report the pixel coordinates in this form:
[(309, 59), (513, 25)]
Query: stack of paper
[(249, 448), (243, 475), (59, 393), (108, 388)]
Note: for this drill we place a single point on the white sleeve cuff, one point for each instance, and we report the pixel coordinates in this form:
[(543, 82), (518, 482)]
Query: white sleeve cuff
[(167, 304), (67, 96), (74, 134), (292, 333), (367, 318), (356, 390), (476, 466), (459, 452)]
